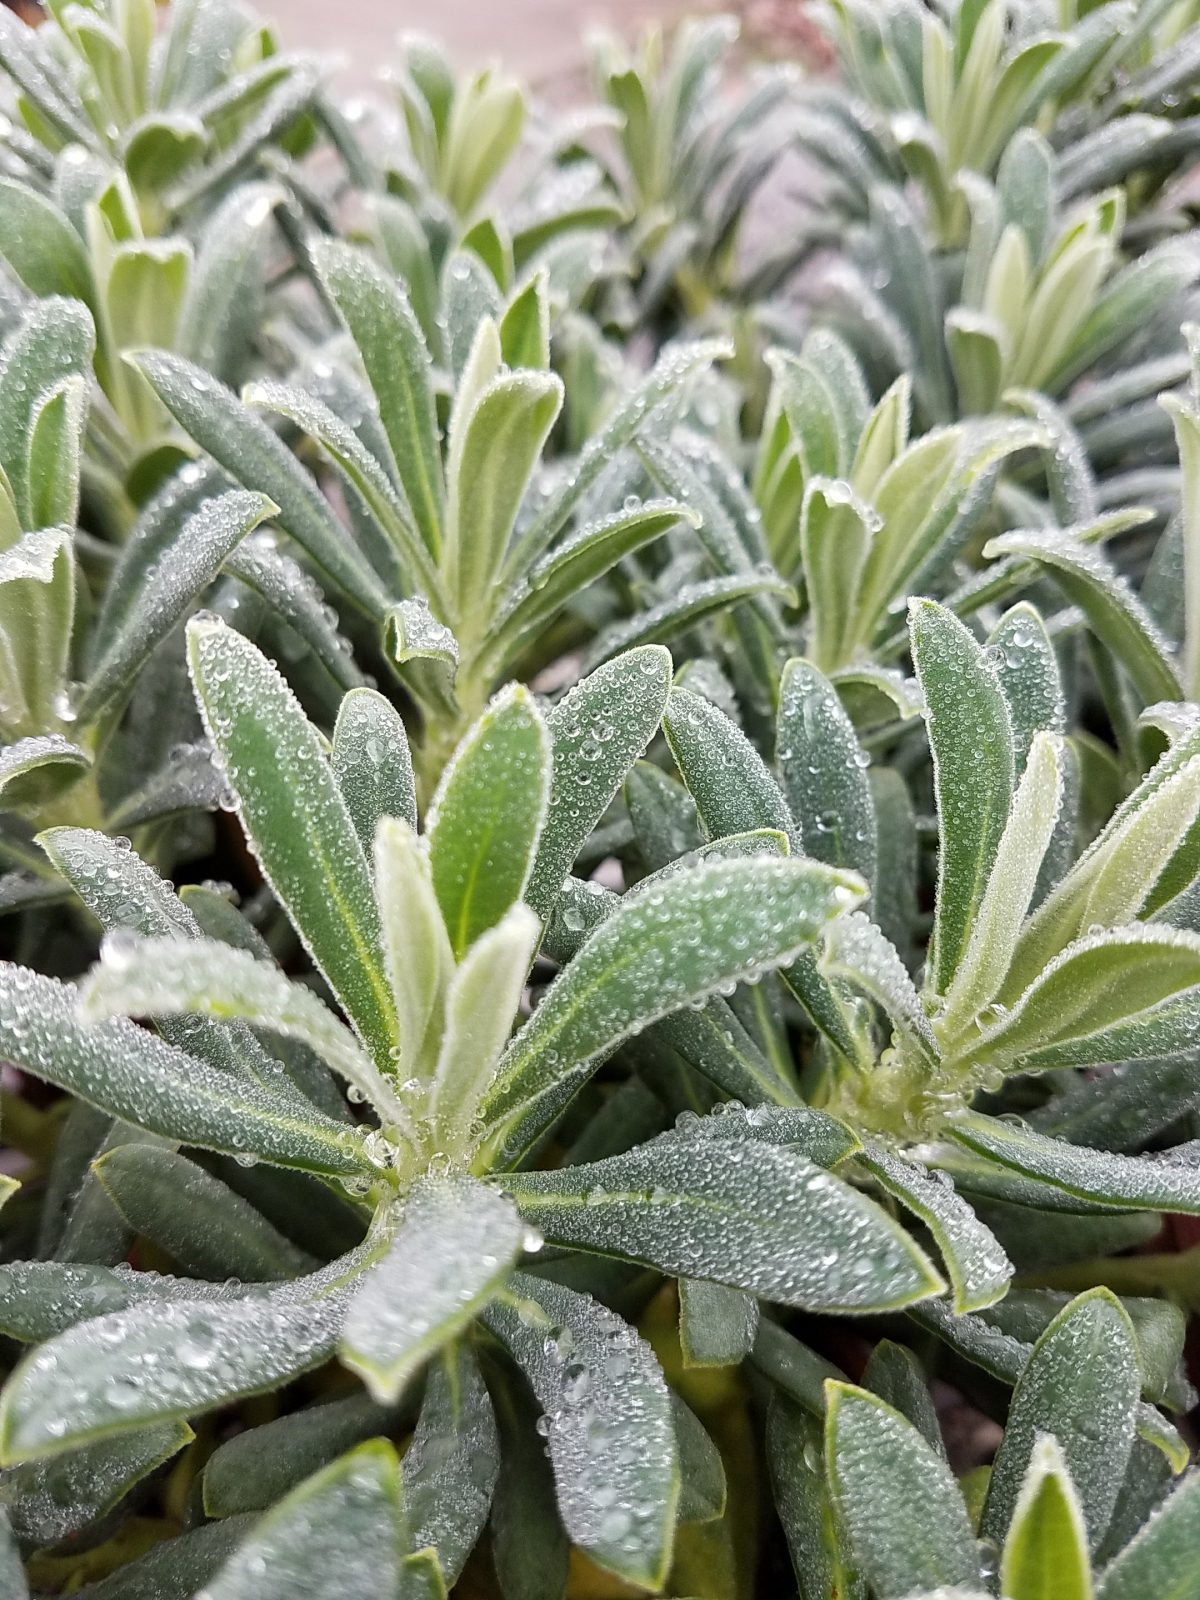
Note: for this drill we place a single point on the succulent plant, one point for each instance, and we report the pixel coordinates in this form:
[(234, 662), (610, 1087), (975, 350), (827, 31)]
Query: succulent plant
[(496, 1107)]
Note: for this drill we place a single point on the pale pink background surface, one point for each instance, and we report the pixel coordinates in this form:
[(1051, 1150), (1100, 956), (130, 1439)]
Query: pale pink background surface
[(538, 38)]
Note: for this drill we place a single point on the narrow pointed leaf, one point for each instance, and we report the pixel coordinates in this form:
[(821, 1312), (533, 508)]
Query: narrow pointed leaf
[(978, 1268), (1046, 1552), (970, 737), (761, 1218), (1164, 1558), (824, 774), (168, 1359), (611, 1435), (143, 1080), (1081, 1384), (708, 926), (487, 816), (372, 763), (597, 731), (295, 820), (905, 1517), (341, 1532), (451, 1466)]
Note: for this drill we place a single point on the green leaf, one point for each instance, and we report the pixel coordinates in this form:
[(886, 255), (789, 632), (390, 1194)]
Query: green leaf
[(417, 953), (1115, 614), (12, 1571), (525, 325), (672, 371), (1046, 1553), (1027, 668), (451, 1466), (577, 561), (482, 998), (733, 789), (143, 1080), (53, 341), (451, 1253), (52, 1500), (702, 1491), (242, 444), (366, 475), (689, 605), (199, 1221), (1120, 995), (37, 604), (489, 473), (39, 245), (182, 572), (610, 1428), (895, 1375), (487, 816), (904, 1515), (380, 320), (529, 1547), (708, 926), (761, 1218), (296, 821), (597, 732), (810, 1524), (978, 1267), (341, 1532), (823, 767), (1145, 1183), (1010, 890), (970, 738), (1081, 1384), (372, 764), (1164, 1558), (54, 458), (717, 1324), (163, 1359)]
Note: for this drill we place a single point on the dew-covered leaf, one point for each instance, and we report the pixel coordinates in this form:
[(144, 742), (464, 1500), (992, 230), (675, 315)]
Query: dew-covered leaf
[(1152, 1182), (242, 444), (179, 576), (259, 1466), (1046, 1553), (708, 926), (490, 466), (1027, 668), (451, 1466), (1164, 1558), (1010, 889), (970, 737), (815, 1537), (717, 1324), (51, 1500), (482, 999), (372, 763), (165, 977), (674, 368), (754, 1216), (1120, 995), (341, 1532), (453, 1248), (597, 731), (906, 1520), (978, 1268), (380, 320), (199, 1221), (143, 1080), (823, 768), (1080, 1384), (1117, 616), (416, 947), (895, 1375), (487, 817), (609, 1427), (164, 1359), (295, 820)]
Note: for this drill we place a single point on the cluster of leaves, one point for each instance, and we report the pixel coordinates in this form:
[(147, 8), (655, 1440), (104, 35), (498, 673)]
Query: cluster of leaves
[(601, 822)]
